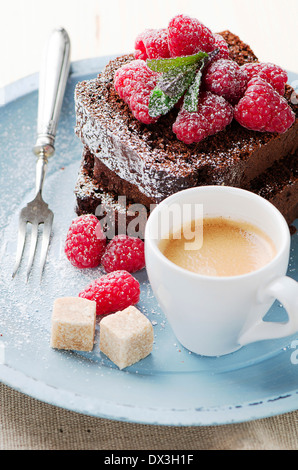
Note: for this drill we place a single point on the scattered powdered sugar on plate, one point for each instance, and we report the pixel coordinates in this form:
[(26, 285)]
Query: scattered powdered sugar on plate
[(26, 308)]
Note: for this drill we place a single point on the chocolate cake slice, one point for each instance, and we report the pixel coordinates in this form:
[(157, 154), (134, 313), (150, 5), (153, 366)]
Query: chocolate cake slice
[(148, 163)]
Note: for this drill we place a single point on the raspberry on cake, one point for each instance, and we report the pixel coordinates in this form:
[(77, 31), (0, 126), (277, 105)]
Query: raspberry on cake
[(271, 73), (134, 83), (132, 77), (222, 46), (213, 115), (139, 105), (112, 292), (225, 78), (85, 242), (152, 44), (263, 109), (187, 36)]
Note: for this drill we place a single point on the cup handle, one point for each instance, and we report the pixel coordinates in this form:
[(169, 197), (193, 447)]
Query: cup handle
[(285, 290)]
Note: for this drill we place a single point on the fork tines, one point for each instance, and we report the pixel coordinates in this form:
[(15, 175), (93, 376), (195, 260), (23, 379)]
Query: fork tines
[(35, 213)]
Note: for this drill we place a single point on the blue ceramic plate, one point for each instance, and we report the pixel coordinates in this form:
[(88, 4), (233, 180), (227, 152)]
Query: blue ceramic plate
[(169, 387)]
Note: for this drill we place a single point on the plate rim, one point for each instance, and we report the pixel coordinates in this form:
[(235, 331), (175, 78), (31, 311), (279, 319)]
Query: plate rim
[(126, 413)]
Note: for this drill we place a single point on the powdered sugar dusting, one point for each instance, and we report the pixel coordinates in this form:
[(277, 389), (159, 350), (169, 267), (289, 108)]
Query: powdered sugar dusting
[(152, 158)]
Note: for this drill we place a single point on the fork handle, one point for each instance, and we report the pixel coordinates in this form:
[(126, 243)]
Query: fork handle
[(52, 82)]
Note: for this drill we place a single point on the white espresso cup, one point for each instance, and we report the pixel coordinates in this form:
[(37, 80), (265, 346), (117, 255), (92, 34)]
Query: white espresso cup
[(210, 315)]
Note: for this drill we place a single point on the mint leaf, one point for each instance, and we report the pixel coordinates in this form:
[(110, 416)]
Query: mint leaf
[(170, 88), (178, 75), (160, 103), (176, 81), (191, 98), (164, 65)]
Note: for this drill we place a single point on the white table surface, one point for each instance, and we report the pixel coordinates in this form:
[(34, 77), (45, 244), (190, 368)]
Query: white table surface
[(104, 27)]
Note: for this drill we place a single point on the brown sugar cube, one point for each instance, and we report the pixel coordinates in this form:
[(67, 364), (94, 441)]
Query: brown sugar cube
[(73, 324), (126, 337)]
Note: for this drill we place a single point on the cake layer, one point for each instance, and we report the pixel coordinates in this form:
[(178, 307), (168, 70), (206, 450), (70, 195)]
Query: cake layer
[(279, 185), (115, 210), (153, 160), (113, 183)]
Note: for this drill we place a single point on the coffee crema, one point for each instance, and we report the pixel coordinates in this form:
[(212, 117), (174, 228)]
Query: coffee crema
[(229, 248)]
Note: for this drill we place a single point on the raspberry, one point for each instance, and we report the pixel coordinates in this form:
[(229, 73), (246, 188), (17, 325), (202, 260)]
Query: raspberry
[(263, 109), (113, 292), (187, 36), (226, 78), (124, 252), (134, 82), (222, 45), (85, 242), (273, 74), (139, 105), (132, 77), (213, 115), (152, 44)]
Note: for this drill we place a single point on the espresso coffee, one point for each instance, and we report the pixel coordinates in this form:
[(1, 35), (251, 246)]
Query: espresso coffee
[(229, 248)]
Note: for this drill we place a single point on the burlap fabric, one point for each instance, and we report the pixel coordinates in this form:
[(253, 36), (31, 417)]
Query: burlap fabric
[(28, 424)]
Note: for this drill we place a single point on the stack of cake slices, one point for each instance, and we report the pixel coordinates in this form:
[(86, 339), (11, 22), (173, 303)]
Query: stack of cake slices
[(147, 163)]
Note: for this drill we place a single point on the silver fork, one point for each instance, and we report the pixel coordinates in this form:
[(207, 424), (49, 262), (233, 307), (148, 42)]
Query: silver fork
[(52, 83)]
